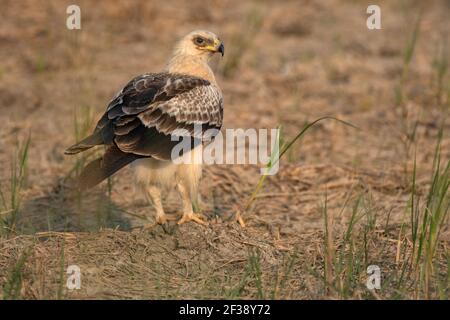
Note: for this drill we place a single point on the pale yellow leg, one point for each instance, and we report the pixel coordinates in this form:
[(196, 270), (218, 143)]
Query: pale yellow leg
[(188, 212), (154, 196)]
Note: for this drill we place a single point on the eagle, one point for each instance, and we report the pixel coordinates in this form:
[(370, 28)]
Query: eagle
[(140, 123)]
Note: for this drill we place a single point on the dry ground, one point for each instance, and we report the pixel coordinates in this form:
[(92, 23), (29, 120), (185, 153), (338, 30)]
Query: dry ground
[(286, 62)]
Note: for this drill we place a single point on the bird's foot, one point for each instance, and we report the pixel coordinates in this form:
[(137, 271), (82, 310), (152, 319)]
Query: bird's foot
[(148, 226), (164, 218), (161, 220), (192, 217)]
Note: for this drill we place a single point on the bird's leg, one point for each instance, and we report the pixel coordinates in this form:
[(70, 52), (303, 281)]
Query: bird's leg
[(188, 212), (154, 196)]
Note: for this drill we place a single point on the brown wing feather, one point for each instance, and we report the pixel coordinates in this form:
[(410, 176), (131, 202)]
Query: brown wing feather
[(141, 119), (98, 170), (180, 103)]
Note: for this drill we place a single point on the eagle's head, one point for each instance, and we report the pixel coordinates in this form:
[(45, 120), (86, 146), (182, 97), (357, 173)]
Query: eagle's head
[(200, 43)]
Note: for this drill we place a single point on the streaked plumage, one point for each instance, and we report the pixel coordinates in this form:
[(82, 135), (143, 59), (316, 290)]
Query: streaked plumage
[(140, 120)]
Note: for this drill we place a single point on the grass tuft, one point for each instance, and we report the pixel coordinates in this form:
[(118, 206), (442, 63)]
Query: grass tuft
[(279, 152), (11, 207), (13, 287)]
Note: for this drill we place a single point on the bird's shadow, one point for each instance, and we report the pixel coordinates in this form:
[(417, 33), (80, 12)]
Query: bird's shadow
[(64, 209)]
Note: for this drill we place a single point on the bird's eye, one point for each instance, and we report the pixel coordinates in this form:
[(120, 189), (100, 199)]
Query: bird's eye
[(199, 40)]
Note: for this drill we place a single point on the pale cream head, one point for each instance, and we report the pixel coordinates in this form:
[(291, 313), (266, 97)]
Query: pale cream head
[(199, 43), (192, 53)]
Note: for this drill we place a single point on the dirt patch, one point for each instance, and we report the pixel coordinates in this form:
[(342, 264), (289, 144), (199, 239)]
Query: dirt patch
[(301, 60)]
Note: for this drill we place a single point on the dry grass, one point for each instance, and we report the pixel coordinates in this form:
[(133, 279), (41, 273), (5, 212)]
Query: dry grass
[(343, 199)]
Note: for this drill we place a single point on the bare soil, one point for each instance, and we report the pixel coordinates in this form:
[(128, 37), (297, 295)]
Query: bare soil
[(294, 61)]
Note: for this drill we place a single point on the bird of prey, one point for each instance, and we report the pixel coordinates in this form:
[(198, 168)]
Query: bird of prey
[(140, 120)]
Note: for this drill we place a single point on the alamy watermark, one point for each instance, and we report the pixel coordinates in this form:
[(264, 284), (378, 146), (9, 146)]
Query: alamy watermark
[(73, 21), (74, 277), (374, 20), (374, 279), (236, 146)]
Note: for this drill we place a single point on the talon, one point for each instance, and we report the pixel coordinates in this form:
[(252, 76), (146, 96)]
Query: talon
[(163, 219), (192, 217), (149, 226)]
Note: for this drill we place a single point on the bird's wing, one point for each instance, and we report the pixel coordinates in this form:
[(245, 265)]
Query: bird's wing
[(152, 108)]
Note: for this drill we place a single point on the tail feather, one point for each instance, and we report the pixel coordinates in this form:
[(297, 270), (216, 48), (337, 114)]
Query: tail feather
[(98, 170), (93, 140)]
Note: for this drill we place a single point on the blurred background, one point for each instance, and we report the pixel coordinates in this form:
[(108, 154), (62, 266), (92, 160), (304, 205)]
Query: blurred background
[(286, 63)]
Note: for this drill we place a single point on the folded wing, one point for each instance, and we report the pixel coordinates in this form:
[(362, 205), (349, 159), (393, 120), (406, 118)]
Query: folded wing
[(152, 108)]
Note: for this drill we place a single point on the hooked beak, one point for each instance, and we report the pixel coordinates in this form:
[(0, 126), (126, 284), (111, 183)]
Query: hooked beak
[(221, 49), (217, 47)]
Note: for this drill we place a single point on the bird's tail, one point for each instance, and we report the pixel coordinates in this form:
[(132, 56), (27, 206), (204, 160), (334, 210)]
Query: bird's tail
[(93, 140), (98, 170)]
